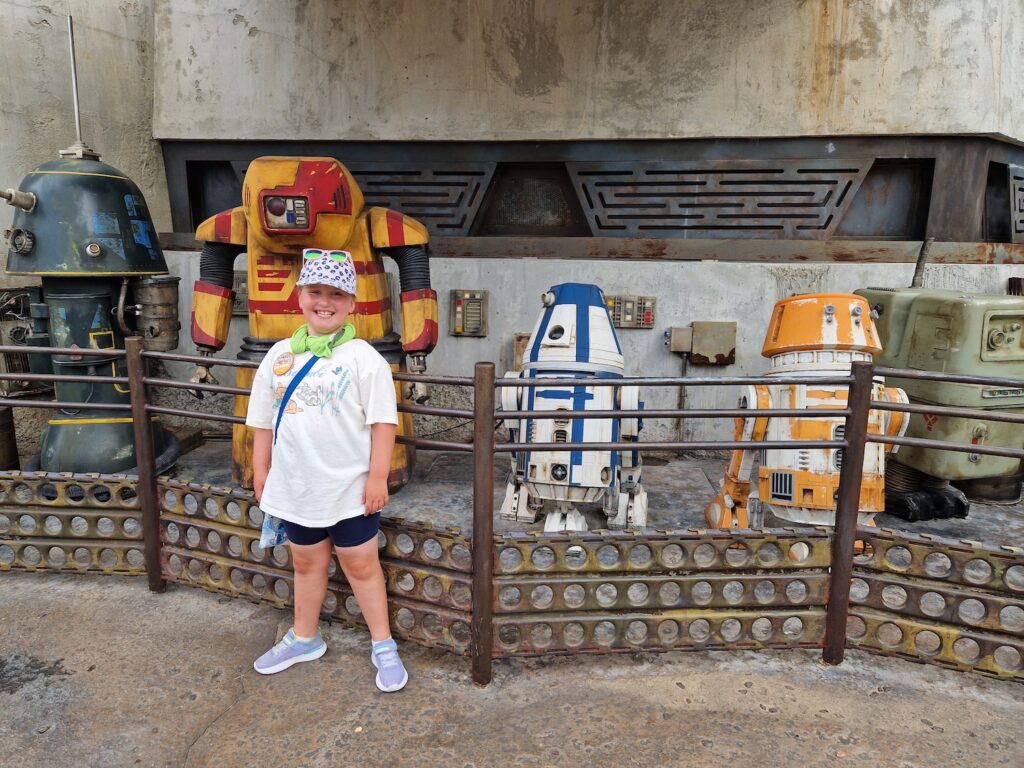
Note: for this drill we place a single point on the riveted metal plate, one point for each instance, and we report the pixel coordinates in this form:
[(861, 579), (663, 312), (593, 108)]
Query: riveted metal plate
[(419, 622), (947, 560), (890, 634), (42, 554), (585, 591), (228, 506), (535, 634), (937, 602), (662, 551), (405, 540), (76, 523), (53, 489)]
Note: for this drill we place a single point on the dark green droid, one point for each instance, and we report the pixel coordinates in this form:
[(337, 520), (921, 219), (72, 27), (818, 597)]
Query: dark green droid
[(83, 228)]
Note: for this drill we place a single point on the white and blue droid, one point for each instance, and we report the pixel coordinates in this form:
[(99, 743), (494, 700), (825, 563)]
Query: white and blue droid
[(572, 344)]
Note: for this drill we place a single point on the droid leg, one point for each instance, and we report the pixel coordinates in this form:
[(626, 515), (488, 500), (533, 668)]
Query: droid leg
[(628, 503), (913, 495), (516, 505), (729, 507), (564, 517)]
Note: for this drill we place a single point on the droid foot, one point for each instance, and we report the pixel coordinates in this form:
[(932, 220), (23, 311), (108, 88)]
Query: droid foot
[(558, 521), (927, 504), (516, 505)]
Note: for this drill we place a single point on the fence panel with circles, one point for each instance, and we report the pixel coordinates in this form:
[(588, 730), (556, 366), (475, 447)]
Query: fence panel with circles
[(610, 591), (211, 540), (939, 601), (74, 523)]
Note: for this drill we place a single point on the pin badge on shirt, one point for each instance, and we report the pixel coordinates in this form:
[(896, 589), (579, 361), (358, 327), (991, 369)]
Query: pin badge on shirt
[(283, 363)]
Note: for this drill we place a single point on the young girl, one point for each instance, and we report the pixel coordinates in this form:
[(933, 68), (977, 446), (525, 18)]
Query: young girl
[(322, 465)]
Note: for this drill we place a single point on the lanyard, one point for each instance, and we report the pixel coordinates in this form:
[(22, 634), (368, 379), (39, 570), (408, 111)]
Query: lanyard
[(291, 388)]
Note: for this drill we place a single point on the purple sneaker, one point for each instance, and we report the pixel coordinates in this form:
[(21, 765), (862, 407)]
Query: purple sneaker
[(391, 674), (289, 651)]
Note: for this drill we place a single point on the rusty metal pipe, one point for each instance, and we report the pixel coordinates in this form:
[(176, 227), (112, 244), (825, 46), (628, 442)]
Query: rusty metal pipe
[(145, 460), (847, 507), (955, 378), (948, 410), (941, 445), (202, 360), (216, 388), (678, 381), (670, 446), (482, 622), (62, 404), (672, 413), (53, 377)]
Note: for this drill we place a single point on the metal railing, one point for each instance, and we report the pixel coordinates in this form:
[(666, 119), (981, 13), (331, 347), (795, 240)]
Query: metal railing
[(485, 446)]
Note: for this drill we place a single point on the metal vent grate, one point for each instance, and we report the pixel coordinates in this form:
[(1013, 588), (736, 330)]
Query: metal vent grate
[(444, 199), (837, 455), (1017, 203), (729, 198), (782, 486)]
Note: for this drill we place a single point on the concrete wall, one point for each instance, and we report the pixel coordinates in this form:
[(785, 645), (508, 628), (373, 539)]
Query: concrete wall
[(497, 70), (527, 69), (685, 292), (114, 46)]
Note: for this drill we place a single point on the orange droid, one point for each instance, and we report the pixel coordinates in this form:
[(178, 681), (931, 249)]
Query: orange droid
[(291, 203), (818, 334)]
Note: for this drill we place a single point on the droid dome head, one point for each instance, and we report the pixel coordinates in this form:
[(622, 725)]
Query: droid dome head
[(574, 332), (294, 203), (821, 321)]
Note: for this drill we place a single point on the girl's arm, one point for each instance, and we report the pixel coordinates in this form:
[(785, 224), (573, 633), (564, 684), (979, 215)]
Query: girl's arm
[(382, 444), (262, 442)]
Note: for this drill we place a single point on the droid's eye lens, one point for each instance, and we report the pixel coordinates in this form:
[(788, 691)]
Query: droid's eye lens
[(276, 206), (556, 333)]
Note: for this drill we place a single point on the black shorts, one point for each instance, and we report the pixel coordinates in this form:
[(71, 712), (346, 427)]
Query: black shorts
[(350, 532)]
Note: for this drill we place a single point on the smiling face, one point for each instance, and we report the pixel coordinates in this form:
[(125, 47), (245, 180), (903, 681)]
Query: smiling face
[(325, 308)]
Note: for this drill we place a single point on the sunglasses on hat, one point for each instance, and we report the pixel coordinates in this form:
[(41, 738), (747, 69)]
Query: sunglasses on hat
[(319, 253)]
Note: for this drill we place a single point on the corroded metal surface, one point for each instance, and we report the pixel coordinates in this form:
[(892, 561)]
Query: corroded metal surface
[(70, 522), (939, 601), (532, 634), (211, 538), (603, 591), (692, 549)]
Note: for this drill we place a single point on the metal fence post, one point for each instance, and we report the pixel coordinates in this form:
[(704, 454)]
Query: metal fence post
[(848, 504), (145, 460), (482, 627)]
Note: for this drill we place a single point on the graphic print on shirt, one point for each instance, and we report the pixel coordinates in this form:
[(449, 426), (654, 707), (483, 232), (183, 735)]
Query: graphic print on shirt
[(324, 390)]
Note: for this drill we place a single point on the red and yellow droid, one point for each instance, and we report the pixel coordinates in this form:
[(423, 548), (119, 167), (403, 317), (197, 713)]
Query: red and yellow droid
[(291, 203), (819, 334)]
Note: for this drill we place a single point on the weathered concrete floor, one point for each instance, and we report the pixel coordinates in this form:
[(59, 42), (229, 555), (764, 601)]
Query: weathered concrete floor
[(97, 671)]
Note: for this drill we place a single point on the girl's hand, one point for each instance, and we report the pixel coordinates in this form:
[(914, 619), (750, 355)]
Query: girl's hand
[(375, 496)]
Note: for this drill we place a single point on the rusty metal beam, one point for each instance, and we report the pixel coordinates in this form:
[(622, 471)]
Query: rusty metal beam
[(847, 507), (699, 249), (482, 624)]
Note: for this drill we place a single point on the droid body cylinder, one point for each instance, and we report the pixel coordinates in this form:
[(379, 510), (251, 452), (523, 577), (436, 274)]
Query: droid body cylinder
[(84, 229), (814, 335), (292, 203), (572, 344)]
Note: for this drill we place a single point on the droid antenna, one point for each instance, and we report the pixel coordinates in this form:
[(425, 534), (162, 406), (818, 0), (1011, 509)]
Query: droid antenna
[(79, 150)]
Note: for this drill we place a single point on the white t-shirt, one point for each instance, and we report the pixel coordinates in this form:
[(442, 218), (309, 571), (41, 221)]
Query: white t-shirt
[(321, 459)]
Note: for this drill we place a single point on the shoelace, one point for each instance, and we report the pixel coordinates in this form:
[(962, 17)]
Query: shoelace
[(388, 657)]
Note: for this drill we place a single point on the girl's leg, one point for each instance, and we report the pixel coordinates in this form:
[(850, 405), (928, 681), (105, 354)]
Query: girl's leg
[(310, 563), (361, 566)]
